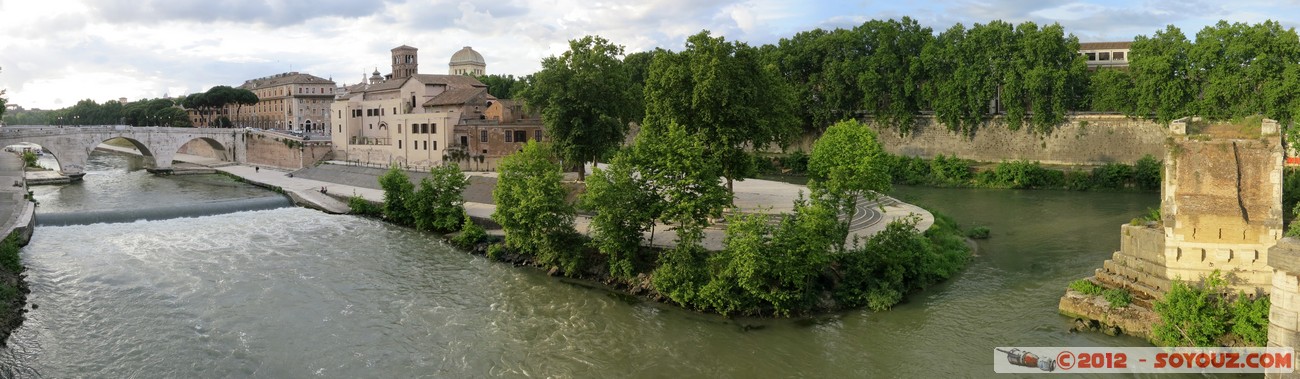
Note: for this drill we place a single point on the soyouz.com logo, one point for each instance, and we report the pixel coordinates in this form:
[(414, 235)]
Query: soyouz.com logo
[(1069, 360)]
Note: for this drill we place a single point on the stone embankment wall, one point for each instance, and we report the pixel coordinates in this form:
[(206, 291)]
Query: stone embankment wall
[(1082, 140), (270, 149)]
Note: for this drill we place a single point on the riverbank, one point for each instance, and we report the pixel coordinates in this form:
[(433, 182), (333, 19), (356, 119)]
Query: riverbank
[(17, 219)]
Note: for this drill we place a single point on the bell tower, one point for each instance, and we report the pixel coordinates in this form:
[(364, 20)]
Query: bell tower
[(405, 62)]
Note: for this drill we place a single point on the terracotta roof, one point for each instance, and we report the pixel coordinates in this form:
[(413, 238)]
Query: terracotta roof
[(1105, 45), (450, 80), (456, 96), (285, 78)]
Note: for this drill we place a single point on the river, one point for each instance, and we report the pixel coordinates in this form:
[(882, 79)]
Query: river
[(292, 292)]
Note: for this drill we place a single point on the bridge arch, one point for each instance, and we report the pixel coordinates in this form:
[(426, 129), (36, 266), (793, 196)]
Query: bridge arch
[(60, 157), (219, 149)]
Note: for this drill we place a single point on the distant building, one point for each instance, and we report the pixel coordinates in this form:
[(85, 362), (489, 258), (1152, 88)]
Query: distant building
[(420, 121), (1105, 54), (467, 62), (290, 101)]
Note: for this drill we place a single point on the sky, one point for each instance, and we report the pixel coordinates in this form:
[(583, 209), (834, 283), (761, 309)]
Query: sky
[(54, 53)]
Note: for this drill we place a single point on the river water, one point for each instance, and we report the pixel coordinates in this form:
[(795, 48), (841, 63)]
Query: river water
[(292, 292)]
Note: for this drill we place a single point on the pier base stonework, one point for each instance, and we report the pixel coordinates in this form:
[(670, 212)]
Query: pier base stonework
[(1284, 311)]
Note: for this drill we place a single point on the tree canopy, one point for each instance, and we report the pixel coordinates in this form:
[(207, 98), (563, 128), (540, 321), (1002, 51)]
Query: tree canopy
[(586, 100), (723, 92)]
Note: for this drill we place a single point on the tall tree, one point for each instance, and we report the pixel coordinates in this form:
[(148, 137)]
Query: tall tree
[(1111, 90), (625, 207), (1241, 69), (1048, 77), (586, 100), (675, 164), (1160, 68), (532, 207), (499, 86), (721, 91), (890, 71), (847, 165)]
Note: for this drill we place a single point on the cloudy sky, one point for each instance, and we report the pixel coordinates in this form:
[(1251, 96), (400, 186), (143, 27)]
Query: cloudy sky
[(56, 52)]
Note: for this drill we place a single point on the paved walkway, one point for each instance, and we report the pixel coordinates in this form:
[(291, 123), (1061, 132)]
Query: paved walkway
[(752, 196)]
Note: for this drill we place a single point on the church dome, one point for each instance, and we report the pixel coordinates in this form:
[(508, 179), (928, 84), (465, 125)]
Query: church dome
[(467, 55)]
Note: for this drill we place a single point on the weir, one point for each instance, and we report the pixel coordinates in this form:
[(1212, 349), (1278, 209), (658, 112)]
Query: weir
[(161, 213)]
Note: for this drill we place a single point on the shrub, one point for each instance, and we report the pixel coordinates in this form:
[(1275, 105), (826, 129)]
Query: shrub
[(1146, 173), (796, 162), (1112, 176), (1117, 297), (979, 233), (397, 189), (1192, 316), (1078, 180), (439, 203), (1086, 287), (1250, 319), (29, 159), (360, 206), (496, 251), (471, 234)]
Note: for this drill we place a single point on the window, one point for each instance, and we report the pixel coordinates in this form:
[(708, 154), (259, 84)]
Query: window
[(1103, 56), (340, 128), (434, 129), (399, 144), (510, 136), (1091, 56), (426, 145), (537, 135), (372, 126), (521, 136), (482, 136), (399, 128), (340, 114), (394, 110), (424, 128), (435, 145), (1119, 55)]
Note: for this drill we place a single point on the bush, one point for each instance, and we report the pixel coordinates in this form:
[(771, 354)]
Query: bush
[(471, 234), (979, 233), (1078, 180), (1250, 319), (1021, 174), (439, 203), (898, 260), (1117, 297), (1190, 316), (496, 251), (29, 159), (1146, 173), (1112, 176), (1086, 287), (397, 189), (796, 162), (360, 206)]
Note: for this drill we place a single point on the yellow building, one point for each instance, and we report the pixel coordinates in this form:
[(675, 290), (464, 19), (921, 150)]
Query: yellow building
[(290, 101), (420, 121)]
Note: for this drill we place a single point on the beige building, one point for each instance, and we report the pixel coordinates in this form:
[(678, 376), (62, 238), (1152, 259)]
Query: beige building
[(420, 121), (1105, 54), (290, 101), (467, 62)]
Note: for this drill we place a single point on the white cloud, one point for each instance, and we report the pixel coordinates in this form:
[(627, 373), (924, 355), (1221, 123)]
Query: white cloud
[(55, 52)]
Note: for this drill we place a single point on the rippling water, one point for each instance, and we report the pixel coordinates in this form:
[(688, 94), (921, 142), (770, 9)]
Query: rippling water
[(297, 293)]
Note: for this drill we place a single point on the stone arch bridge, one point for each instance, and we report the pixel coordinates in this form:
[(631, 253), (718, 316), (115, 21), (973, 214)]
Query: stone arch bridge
[(71, 145)]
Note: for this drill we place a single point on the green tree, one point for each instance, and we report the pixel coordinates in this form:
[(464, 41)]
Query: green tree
[(625, 208), (439, 204), (674, 163), (847, 164), (1146, 173), (1240, 69), (1191, 316), (721, 91), (500, 86), (891, 71), (532, 210), (586, 99), (1160, 67), (1111, 91), (398, 189), (1048, 77)]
